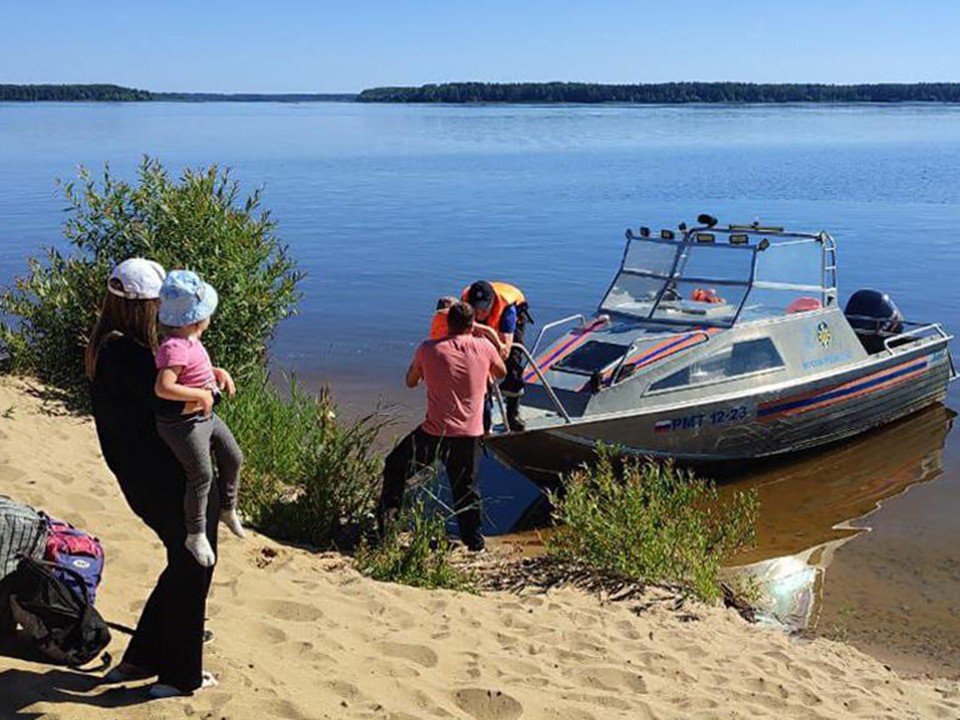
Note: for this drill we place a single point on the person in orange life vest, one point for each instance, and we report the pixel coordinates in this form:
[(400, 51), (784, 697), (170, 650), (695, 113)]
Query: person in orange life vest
[(438, 327), (455, 370), (502, 317)]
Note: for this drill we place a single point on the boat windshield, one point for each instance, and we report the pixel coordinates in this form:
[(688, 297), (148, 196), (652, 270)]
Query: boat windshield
[(713, 282)]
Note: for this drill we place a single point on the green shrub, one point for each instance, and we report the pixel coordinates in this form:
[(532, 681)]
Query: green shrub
[(306, 477), (197, 221), (650, 521), (415, 551)]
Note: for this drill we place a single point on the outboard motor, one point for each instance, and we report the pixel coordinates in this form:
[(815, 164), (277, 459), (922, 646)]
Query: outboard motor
[(874, 317)]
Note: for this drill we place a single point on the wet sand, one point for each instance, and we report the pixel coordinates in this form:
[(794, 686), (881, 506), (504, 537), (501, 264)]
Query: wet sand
[(875, 519)]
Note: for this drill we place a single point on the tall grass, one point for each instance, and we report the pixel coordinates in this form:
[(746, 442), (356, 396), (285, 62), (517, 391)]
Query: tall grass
[(415, 551), (307, 477), (650, 521)]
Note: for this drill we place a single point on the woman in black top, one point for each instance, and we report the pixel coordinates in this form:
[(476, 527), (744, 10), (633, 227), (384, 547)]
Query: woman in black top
[(168, 642)]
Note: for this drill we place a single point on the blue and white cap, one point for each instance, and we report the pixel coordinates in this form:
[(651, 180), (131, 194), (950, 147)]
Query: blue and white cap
[(186, 299)]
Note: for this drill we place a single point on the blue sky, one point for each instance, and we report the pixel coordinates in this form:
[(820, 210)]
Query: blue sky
[(345, 46)]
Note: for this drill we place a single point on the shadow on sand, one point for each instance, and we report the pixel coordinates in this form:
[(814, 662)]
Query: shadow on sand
[(21, 688)]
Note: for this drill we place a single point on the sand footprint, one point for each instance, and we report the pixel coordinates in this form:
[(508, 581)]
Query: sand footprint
[(568, 713), (420, 654), (603, 677), (271, 633), (291, 611), (84, 503), (487, 704), (65, 478)]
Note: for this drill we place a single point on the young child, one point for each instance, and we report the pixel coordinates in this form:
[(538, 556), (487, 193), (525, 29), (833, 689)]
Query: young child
[(438, 326), (185, 373)]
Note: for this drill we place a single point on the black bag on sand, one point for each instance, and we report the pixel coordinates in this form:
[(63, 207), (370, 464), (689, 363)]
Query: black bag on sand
[(66, 628)]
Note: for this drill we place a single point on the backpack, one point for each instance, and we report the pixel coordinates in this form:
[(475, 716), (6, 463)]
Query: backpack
[(73, 549), (65, 625), (22, 530)]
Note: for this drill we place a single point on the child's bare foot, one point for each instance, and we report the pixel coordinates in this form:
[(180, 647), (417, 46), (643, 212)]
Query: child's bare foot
[(231, 519), (199, 547)]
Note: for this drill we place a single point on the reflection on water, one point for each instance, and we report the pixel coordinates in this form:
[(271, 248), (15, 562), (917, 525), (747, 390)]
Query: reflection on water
[(808, 507), (811, 505)]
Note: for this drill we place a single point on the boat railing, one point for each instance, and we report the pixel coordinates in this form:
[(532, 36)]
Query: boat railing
[(919, 331), (561, 410), (582, 321)]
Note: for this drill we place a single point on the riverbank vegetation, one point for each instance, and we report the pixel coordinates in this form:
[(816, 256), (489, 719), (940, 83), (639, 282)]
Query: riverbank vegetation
[(72, 93), (649, 521), (117, 93), (307, 477), (199, 220), (663, 93), (416, 550)]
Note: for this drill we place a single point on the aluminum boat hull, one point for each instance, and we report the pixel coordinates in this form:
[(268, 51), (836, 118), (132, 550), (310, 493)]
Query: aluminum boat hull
[(722, 429)]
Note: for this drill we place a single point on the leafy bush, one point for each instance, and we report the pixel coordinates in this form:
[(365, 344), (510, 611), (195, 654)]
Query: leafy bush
[(197, 221), (306, 478), (419, 556), (650, 521)]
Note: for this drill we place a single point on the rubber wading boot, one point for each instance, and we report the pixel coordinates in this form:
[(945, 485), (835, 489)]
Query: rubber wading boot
[(514, 421)]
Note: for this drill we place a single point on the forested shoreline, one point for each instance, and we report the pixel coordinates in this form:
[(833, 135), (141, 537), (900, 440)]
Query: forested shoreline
[(72, 93), (532, 93), (663, 93), (118, 93)]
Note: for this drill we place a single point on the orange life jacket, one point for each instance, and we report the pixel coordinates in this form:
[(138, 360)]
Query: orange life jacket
[(438, 327), (505, 295)]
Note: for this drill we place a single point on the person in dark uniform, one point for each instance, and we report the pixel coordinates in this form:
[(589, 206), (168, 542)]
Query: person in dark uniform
[(168, 641), (502, 317)]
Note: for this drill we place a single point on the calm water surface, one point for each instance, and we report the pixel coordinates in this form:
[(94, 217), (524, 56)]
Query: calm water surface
[(388, 207)]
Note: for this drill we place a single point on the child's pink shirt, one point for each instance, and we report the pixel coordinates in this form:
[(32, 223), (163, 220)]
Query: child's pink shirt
[(197, 369)]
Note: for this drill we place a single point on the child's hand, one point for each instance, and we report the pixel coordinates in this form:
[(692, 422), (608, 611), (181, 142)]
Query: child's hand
[(206, 404), (224, 381)]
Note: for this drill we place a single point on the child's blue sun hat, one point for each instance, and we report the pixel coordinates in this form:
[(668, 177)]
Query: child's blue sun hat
[(185, 299)]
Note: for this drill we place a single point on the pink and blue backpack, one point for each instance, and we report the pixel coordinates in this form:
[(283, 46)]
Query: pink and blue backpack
[(79, 551)]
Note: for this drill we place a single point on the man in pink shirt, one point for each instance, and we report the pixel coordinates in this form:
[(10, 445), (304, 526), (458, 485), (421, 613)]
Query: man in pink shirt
[(455, 369)]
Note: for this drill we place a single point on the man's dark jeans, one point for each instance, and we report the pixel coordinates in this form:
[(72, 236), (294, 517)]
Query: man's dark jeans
[(461, 458)]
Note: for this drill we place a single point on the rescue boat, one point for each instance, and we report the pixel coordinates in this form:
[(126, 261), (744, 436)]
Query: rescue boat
[(717, 344)]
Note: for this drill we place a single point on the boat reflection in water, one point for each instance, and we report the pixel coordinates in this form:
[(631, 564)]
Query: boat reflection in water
[(808, 508)]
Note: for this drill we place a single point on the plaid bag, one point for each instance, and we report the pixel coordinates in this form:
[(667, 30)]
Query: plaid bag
[(22, 531)]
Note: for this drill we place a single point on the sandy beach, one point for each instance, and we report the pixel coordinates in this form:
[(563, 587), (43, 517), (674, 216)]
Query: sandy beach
[(303, 635)]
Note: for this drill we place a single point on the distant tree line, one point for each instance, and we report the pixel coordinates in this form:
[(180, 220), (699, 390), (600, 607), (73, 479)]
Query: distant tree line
[(72, 93), (254, 97), (116, 93), (663, 93), (554, 92)]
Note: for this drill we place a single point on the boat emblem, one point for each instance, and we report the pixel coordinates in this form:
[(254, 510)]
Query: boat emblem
[(824, 336)]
